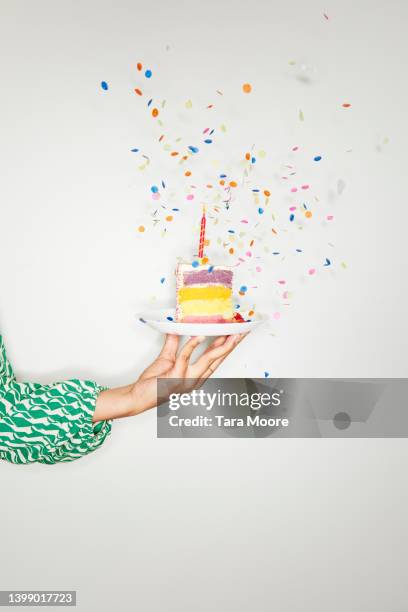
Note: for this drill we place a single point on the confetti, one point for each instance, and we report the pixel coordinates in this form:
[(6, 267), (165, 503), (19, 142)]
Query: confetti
[(104, 85), (317, 158), (148, 74), (154, 189), (266, 374), (139, 66), (141, 228), (346, 105), (155, 112), (162, 280), (311, 271), (247, 88), (193, 149), (301, 116)]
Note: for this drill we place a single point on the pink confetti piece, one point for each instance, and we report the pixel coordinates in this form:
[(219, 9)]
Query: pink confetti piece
[(248, 254), (330, 217), (190, 196), (156, 196), (276, 316), (244, 221), (285, 295), (293, 190), (206, 130), (258, 269), (292, 208), (282, 282), (305, 186), (312, 271), (295, 148)]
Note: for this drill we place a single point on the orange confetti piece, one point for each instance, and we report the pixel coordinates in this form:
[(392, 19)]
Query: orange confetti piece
[(267, 193), (185, 157), (206, 242), (274, 231), (138, 91), (231, 251), (247, 88), (139, 66), (155, 112), (161, 137), (247, 156), (251, 312), (346, 105), (308, 214), (222, 182), (251, 243), (141, 228), (187, 173), (233, 184), (205, 260), (174, 153), (169, 218), (210, 106), (209, 186)]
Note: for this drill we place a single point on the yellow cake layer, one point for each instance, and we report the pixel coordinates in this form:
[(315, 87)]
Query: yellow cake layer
[(204, 307), (204, 293)]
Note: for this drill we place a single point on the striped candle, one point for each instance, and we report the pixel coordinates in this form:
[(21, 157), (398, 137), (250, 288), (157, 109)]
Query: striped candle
[(202, 235)]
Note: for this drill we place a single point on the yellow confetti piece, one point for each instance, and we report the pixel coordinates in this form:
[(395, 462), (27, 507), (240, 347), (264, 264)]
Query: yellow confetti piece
[(301, 116), (141, 228), (188, 104)]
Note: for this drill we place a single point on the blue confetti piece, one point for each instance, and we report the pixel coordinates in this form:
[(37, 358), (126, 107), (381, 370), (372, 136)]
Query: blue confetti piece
[(292, 217), (170, 318), (208, 141), (150, 101), (211, 268), (163, 185), (276, 253), (175, 209), (243, 288), (261, 211), (211, 133), (148, 74), (142, 320), (328, 262), (231, 231), (104, 85), (266, 374), (134, 150), (256, 190), (195, 264), (154, 189), (193, 149), (237, 306), (223, 176), (299, 251), (317, 158), (162, 280), (253, 160)]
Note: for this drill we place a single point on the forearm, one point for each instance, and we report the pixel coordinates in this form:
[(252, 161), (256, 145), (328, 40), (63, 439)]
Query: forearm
[(128, 400)]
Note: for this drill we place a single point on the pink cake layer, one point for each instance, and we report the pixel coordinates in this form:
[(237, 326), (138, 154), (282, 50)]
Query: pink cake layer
[(205, 319), (221, 277)]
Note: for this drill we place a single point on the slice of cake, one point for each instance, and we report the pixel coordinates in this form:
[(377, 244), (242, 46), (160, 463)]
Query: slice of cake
[(204, 293)]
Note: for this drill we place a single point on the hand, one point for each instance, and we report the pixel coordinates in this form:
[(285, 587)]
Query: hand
[(183, 376), (186, 375)]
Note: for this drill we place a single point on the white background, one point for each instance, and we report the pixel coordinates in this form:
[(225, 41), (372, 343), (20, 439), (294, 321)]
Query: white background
[(201, 524)]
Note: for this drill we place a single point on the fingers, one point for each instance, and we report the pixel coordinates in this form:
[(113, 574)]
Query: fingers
[(170, 346), (217, 342), (210, 360), (183, 358)]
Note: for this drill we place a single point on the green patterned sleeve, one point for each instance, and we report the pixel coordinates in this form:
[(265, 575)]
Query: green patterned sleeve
[(48, 423), (6, 371)]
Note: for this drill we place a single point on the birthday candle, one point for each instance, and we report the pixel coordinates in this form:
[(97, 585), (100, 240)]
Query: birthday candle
[(202, 235)]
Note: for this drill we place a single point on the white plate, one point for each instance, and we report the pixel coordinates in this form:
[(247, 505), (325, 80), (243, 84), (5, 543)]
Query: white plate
[(157, 319)]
